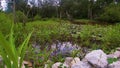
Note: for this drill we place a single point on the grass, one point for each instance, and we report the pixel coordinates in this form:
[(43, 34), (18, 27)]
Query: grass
[(91, 36), (86, 21), (106, 38), (49, 31), (5, 23), (12, 56)]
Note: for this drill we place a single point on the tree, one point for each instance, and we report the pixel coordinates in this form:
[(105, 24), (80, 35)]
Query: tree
[(111, 13), (47, 8), (63, 8), (14, 11), (99, 6), (74, 8), (0, 6)]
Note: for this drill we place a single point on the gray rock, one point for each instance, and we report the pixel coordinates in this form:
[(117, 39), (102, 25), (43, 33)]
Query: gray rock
[(118, 49), (114, 55), (81, 65), (97, 58), (114, 65), (75, 60), (68, 61), (59, 64)]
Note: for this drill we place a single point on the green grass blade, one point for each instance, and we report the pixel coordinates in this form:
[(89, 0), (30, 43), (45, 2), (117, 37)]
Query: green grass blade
[(12, 41), (23, 48), (5, 58), (12, 45), (8, 49)]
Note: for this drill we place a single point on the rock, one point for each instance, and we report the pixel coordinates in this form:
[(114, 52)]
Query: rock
[(53, 46), (111, 56), (75, 60), (56, 65), (114, 65), (118, 49), (97, 58), (59, 64), (68, 61), (65, 49), (81, 65), (46, 66), (29, 64), (114, 55)]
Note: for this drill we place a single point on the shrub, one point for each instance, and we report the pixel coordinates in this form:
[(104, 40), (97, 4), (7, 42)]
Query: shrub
[(37, 17), (5, 23), (111, 14), (111, 37), (12, 56), (20, 17)]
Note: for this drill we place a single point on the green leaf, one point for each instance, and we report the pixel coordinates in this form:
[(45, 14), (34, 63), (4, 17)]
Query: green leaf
[(22, 48)]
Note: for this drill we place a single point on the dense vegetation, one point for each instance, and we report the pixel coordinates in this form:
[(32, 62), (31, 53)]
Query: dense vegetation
[(102, 10), (94, 27)]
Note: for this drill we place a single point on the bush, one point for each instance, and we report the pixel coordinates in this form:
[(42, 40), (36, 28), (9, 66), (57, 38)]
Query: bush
[(5, 23), (37, 17), (20, 17), (111, 14), (111, 38)]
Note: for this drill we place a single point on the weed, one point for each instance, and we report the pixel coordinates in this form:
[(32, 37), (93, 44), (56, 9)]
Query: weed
[(12, 56)]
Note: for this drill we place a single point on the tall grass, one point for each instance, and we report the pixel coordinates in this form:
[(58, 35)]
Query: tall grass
[(12, 56), (92, 36), (100, 37), (5, 23)]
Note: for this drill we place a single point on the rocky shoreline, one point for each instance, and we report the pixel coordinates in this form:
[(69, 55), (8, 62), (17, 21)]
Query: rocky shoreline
[(86, 58), (94, 59)]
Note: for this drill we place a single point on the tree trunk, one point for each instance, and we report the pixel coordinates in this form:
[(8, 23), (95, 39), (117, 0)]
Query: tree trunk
[(14, 12), (69, 17), (90, 13)]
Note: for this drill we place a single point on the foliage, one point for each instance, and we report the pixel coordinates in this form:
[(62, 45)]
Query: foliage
[(37, 17), (111, 60), (12, 56), (92, 36), (39, 58), (99, 37), (57, 8), (46, 31), (111, 14), (112, 38), (5, 23), (49, 31), (20, 17)]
